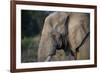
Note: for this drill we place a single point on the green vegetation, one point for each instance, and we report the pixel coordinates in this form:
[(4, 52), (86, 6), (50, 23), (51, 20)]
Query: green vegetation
[(31, 28), (29, 49)]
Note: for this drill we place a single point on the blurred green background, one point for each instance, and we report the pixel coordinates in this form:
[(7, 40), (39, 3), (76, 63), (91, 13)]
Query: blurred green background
[(31, 27)]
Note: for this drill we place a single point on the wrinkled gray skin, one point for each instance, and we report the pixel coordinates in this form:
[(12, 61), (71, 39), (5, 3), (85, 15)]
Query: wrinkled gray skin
[(72, 27)]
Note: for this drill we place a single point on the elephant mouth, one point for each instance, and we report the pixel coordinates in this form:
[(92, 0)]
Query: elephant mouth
[(60, 44)]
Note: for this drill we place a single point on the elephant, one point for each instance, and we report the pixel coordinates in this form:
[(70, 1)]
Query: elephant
[(65, 36)]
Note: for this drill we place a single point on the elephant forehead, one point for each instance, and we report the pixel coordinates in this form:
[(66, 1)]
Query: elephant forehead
[(56, 18), (57, 15)]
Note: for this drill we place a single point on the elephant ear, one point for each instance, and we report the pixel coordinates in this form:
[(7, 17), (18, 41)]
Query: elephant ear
[(78, 27)]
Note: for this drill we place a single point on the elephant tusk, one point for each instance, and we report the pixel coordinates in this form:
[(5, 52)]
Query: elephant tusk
[(48, 58)]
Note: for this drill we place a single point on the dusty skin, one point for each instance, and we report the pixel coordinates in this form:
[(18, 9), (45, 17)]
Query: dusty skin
[(62, 34)]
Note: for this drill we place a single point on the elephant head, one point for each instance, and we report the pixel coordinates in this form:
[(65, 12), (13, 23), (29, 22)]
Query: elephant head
[(51, 38)]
